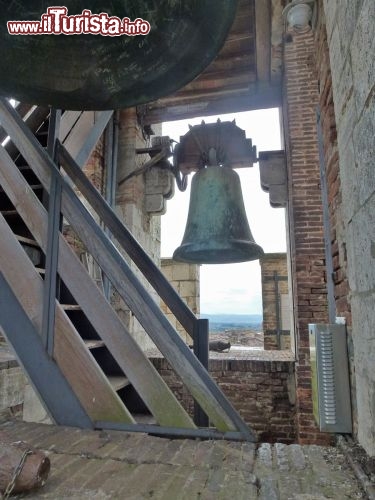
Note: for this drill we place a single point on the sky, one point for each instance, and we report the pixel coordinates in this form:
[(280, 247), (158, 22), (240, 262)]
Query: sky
[(233, 288)]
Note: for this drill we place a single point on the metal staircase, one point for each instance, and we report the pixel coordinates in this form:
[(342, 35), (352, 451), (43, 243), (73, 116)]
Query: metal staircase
[(81, 359)]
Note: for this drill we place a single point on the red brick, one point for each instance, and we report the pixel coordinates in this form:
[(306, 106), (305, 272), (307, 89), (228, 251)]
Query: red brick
[(308, 263)]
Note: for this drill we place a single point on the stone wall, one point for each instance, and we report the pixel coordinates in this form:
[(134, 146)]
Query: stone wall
[(130, 207), (12, 383), (275, 298), (185, 279), (340, 284), (262, 391), (94, 170), (351, 40), (331, 164), (306, 235)]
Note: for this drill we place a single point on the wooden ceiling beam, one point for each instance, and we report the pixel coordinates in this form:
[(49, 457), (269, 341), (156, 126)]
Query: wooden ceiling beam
[(263, 15), (246, 61), (243, 27), (237, 80), (246, 72), (202, 93), (263, 96)]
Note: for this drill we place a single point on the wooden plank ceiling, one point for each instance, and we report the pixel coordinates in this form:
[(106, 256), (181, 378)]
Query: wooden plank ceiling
[(245, 75)]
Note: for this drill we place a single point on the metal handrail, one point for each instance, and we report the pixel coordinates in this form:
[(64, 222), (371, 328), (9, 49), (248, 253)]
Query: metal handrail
[(199, 383), (197, 328), (135, 251)]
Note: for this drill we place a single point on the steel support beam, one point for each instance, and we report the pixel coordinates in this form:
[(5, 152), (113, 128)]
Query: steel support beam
[(111, 151), (200, 347), (172, 432), (51, 282), (195, 377), (93, 137)]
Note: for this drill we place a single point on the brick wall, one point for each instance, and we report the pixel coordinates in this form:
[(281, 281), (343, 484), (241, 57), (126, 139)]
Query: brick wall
[(331, 160), (94, 168), (261, 391), (305, 215), (270, 264), (185, 279), (332, 164)]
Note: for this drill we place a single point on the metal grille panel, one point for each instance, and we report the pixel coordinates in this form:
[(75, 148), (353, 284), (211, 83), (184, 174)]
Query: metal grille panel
[(330, 377)]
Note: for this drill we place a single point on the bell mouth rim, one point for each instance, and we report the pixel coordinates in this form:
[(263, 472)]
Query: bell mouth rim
[(193, 253)]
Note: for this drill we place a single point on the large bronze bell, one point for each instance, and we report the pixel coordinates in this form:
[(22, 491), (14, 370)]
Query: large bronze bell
[(217, 230), (91, 71)]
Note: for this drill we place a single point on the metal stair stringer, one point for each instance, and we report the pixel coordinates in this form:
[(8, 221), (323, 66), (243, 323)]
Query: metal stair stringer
[(45, 376), (140, 372), (186, 365), (89, 384)]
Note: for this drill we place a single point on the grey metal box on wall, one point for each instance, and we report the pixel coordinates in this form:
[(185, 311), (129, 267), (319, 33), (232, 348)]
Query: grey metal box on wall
[(330, 378)]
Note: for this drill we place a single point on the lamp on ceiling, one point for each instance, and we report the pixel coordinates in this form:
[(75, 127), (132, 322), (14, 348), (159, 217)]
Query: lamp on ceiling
[(299, 14)]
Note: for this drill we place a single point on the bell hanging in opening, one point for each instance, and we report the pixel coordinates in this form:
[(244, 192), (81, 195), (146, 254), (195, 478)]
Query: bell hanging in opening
[(217, 230)]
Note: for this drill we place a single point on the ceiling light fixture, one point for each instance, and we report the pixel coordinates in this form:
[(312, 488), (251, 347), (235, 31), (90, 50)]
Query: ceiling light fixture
[(299, 14)]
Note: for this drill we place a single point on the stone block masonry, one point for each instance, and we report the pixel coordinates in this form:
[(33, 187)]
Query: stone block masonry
[(331, 165), (12, 382), (131, 209), (185, 279), (351, 41), (276, 301), (336, 207)]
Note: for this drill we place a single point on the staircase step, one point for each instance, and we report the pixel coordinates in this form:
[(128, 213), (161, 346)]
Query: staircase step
[(27, 241), (94, 344), (118, 382), (34, 187), (28, 174), (18, 226), (9, 213), (71, 307), (144, 418)]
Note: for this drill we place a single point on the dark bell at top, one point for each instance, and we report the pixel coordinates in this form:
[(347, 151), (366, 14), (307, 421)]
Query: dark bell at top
[(217, 230), (95, 72)]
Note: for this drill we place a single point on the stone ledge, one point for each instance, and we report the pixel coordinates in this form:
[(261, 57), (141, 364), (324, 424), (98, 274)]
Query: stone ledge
[(252, 360), (236, 365)]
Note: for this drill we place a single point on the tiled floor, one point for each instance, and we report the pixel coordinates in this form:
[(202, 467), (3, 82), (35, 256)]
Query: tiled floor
[(117, 465)]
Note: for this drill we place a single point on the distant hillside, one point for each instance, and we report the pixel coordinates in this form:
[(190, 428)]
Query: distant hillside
[(222, 322)]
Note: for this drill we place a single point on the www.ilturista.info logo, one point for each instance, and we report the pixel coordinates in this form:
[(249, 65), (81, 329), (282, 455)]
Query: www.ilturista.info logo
[(57, 22)]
